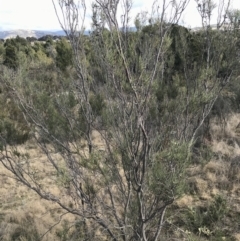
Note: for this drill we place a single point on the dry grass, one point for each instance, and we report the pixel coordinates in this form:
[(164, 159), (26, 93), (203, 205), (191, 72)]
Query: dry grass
[(221, 171), (237, 236), (209, 180), (18, 203), (185, 201), (217, 167), (226, 130)]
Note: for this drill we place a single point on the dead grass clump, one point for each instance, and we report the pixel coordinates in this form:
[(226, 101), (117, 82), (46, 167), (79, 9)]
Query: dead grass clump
[(226, 130), (198, 186), (234, 169), (237, 236), (18, 227), (185, 201), (216, 130), (194, 170), (217, 183), (211, 177), (218, 167), (216, 172), (222, 149), (225, 138)]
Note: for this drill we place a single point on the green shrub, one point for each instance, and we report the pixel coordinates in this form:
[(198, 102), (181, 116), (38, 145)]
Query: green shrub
[(12, 132), (13, 127), (205, 220), (97, 103)]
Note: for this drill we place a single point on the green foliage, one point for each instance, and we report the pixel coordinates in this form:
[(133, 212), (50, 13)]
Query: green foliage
[(13, 127), (43, 58), (20, 42), (167, 171), (205, 220), (37, 46), (11, 59), (64, 54), (56, 124), (16, 52), (10, 132), (2, 52), (97, 104), (217, 210)]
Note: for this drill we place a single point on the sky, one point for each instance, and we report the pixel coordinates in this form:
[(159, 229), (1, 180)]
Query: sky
[(40, 14)]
